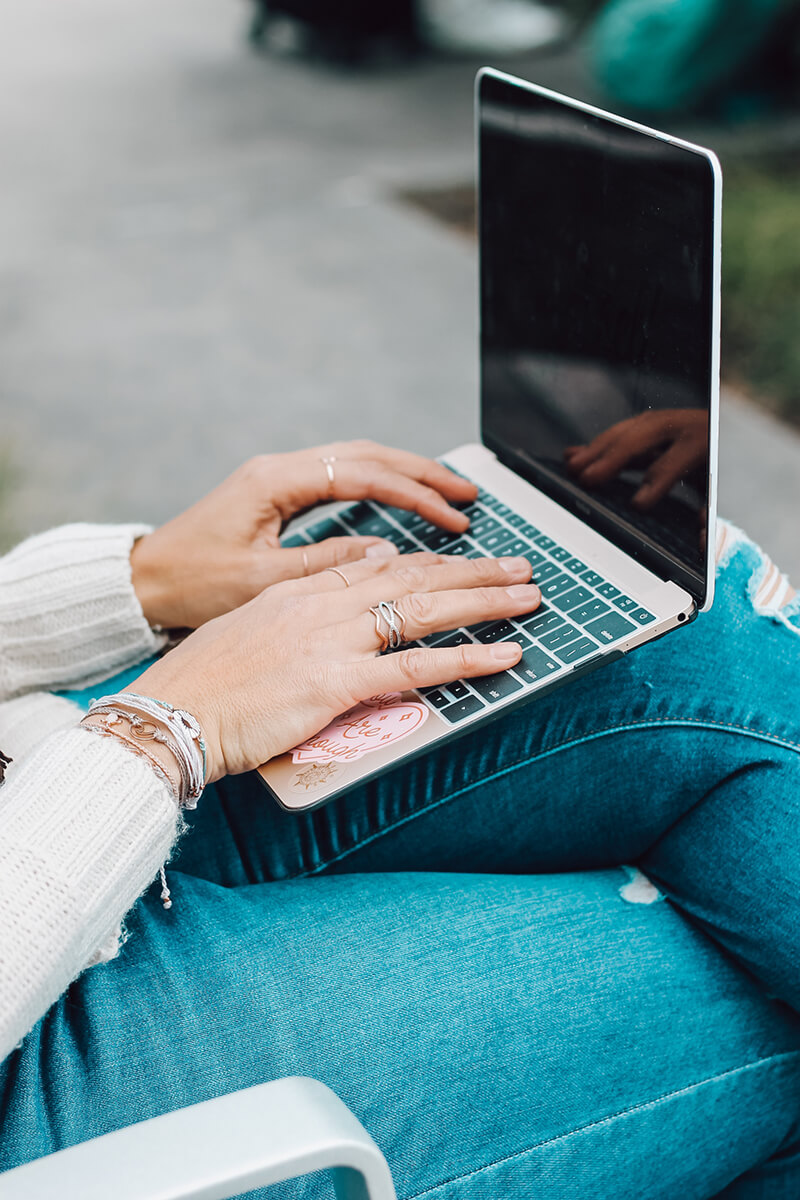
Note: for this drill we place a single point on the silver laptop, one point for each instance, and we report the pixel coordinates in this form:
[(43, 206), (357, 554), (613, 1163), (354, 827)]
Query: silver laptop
[(599, 303)]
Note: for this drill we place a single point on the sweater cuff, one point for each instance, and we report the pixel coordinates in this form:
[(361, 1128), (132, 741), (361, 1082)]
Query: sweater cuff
[(68, 613), (85, 826)]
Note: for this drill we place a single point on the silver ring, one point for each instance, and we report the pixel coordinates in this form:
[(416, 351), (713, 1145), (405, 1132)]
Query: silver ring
[(327, 463), (387, 613), (341, 575)]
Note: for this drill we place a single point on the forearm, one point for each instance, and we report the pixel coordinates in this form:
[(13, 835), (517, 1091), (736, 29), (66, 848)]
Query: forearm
[(68, 612), (84, 827)]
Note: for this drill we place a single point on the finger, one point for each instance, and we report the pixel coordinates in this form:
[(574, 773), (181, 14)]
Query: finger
[(308, 560), (307, 481), (353, 572), (407, 575), (405, 462), (617, 453), (424, 613), (423, 667)]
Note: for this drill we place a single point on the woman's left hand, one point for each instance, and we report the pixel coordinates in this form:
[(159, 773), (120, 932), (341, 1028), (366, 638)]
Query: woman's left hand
[(225, 549)]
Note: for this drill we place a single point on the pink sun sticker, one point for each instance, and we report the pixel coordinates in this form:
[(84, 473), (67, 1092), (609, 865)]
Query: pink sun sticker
[(371, 725)]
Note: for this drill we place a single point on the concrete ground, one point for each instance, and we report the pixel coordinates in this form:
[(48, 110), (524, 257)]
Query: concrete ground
[(203, 254)]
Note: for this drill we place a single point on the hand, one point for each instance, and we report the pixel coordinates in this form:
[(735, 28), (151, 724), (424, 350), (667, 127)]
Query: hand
[(679, 435), (225, 549), (275, 671)]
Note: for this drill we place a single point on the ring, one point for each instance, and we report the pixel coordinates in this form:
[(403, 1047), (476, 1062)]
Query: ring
[(328, 465), (341, 575), (387, 612), (305, 562)]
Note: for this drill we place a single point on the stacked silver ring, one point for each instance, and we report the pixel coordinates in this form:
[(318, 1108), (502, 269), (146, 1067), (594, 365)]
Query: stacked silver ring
[(390, 624)]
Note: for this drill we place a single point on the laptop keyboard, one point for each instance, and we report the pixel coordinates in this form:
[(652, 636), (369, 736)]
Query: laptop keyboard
[(580, 613)]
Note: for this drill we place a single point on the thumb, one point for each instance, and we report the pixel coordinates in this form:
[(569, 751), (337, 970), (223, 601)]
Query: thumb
[(297, 561)]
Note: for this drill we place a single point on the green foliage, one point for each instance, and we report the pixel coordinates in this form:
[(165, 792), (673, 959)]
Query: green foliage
[(761, 282)]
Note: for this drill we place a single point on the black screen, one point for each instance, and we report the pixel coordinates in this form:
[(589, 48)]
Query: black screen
[(597, 275)]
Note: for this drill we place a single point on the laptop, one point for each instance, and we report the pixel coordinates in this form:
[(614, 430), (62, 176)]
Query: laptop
[(599, 346)]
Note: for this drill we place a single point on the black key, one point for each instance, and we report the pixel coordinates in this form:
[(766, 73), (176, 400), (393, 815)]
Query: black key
[(560, 554), (461, 709), (519, 637), (353, 516), (557, 585), (534, 665), (475, 512), (436, 698), (609, 627), (483, 525), (560, 637), (462, 547), (544, 541), (544, 572), (493, 542), (588, 612), (375, 526), (406, 545), (608, 590), (575, 564), (642, 616), (325, 529), (570, 600), (458, 690), (534, 558), (438, 539), (488, 499), (542, 622), (592, 578), (294, 539), (529, 531), (516, 520), (496, 687), (625, 603), (450, 639), (576, 650), (495, 632), (515, 548), (502, 510)]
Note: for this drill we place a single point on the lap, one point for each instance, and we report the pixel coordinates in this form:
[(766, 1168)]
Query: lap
[(532, 1035)]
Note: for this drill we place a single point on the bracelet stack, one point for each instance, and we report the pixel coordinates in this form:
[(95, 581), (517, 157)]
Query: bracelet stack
[(138, 721)]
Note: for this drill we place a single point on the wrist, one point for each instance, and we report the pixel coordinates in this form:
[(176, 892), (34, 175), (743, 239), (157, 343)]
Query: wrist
[(158, 754), (149, 577)]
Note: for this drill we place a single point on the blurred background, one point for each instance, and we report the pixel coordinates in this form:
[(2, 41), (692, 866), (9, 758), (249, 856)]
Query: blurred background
[(230, 227)]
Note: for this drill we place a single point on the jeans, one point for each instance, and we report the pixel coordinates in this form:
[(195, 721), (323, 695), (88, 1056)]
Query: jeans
[(556, 960)]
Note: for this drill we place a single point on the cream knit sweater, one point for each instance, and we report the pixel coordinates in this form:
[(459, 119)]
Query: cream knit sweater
[(84, 824)]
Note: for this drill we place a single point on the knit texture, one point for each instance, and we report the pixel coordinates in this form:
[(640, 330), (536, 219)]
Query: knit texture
[(84, 827), (68, 613), (84, 823)]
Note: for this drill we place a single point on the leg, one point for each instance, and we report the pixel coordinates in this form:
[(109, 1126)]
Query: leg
[(684, 757), (499, 1036)]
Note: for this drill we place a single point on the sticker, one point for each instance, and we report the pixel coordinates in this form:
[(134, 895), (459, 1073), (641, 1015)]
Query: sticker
[(314, 776), (371, 725)]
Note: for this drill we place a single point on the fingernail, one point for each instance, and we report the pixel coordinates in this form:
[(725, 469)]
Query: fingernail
[(505, 651), (512, 565), (381, 550), (522, 591)]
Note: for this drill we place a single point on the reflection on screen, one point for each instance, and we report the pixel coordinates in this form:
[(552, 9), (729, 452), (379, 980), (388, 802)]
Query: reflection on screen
[(596, 318)]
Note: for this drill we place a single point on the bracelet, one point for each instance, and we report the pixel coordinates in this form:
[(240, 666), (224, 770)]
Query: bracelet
[(155, 720)]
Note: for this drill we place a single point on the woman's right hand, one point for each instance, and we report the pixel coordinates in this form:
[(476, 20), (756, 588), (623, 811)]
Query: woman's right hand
[(278, 669)]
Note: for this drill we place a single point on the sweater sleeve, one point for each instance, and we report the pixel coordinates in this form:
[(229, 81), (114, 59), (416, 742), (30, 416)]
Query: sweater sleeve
[(68, 613), (84, 827)]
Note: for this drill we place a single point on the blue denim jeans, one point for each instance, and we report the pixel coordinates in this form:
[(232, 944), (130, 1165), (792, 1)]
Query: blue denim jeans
[(553, 961)]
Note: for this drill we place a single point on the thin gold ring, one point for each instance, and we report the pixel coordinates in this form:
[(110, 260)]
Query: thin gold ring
[(327, 463), (305, 562), (341, 575)]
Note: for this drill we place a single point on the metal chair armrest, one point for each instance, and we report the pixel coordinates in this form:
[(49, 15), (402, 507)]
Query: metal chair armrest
[(215, 1150)]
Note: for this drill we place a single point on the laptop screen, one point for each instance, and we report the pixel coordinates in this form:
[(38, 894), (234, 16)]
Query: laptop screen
[(597, 330)]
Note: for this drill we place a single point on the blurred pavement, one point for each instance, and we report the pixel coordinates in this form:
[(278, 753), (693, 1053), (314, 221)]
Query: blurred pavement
[(203, 254)]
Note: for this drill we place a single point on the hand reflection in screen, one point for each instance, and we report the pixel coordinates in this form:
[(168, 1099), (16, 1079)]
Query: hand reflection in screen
[(673, 440)]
